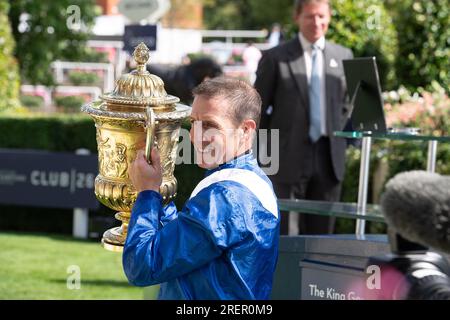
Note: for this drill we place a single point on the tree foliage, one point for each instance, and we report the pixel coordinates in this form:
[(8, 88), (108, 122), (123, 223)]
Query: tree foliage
[(246, 14), (424, 42), (223, 14), (49, 30), (267, 12), (9, 76), (367, 28)]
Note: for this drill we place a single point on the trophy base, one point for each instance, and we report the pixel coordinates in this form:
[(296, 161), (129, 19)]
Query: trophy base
[(112, 247), (114, 239)]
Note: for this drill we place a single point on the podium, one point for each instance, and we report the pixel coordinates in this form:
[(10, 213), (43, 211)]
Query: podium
[(334, 266), (331, 267), (398, 134)]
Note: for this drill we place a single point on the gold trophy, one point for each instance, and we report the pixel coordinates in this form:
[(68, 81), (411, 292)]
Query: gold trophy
[(138, 110)]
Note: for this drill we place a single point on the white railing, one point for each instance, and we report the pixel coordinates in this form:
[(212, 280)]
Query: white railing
[(108, 79), (94, 92), (229, 34), (223, 50), (120, 58)]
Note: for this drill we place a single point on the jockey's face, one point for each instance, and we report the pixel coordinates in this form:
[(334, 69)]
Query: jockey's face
[(215, 136)]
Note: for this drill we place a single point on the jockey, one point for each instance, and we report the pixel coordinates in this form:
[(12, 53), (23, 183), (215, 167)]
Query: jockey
[(223, 244)]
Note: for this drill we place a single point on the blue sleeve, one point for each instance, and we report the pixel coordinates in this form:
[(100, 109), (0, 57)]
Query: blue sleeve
[(169, 213), (208, 224)]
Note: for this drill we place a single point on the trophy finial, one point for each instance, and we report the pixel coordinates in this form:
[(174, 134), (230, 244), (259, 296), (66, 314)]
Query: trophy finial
[(141, 55)]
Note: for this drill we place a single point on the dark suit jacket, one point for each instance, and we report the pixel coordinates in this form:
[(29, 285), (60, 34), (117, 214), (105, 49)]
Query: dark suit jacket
[(282, 83)]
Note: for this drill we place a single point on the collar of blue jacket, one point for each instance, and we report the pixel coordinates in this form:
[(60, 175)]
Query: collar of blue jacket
[(238, 161)]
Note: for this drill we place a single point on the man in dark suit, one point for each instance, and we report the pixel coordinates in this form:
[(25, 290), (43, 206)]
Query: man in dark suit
[(303, 90)]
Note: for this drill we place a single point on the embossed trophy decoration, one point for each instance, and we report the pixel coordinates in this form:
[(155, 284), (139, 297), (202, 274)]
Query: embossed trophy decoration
[(138, 110)]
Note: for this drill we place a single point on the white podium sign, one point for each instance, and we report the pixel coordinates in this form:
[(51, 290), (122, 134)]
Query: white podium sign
[(138, 10)]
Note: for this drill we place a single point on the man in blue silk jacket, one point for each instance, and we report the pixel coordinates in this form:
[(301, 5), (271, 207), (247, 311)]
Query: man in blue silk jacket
[(223, 244)]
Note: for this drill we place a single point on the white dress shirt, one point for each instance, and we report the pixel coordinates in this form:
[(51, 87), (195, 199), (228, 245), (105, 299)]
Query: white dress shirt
[(307, 51)]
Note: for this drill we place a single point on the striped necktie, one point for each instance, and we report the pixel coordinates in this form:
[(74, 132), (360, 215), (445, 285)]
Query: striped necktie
[(314, 97)]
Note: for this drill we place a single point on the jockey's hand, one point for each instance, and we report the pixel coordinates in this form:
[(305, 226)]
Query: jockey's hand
[(145, 176)]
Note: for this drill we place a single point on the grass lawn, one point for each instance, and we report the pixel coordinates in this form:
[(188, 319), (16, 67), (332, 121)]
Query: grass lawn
[(35, 266)]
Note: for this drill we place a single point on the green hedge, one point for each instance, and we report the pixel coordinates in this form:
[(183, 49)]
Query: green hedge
[(53, 133)]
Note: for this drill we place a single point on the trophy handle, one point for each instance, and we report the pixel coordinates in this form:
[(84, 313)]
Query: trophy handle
[(150, 123)]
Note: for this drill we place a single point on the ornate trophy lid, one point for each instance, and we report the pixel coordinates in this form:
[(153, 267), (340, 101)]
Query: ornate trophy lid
[(140, 87)]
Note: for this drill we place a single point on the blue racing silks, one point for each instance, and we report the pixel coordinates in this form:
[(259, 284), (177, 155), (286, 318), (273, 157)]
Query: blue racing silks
[(223, 244)]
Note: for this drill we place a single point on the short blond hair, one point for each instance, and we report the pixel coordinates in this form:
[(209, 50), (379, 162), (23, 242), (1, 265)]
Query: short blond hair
[(299, 4)]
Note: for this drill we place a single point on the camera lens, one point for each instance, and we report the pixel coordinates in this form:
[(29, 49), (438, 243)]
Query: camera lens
[(431, 287)]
